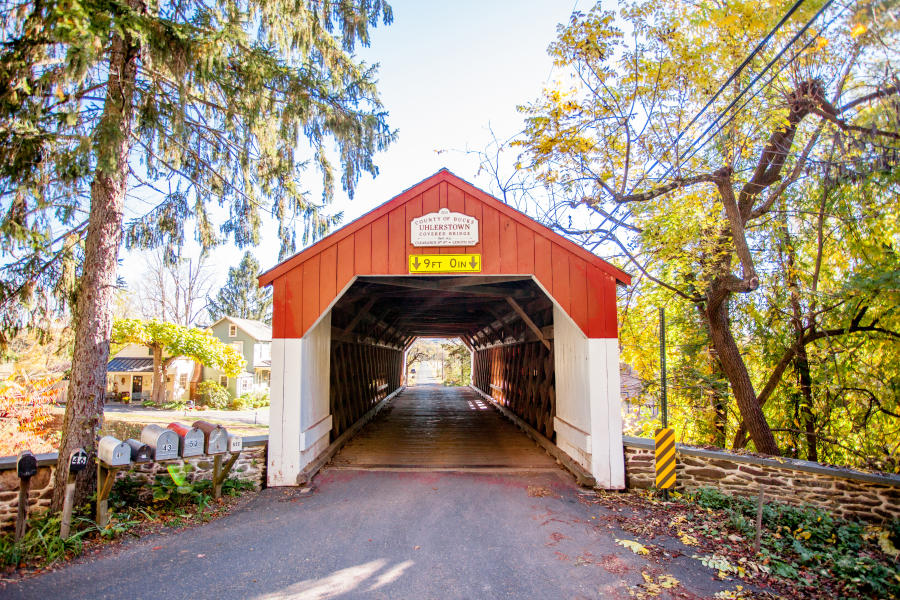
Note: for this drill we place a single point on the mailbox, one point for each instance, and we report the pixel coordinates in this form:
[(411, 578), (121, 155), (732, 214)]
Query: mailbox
[(113, 452), (140, 452), (78, 460), (27, 464), (235, 443), (216, 437), (190, 439), (163, 442)]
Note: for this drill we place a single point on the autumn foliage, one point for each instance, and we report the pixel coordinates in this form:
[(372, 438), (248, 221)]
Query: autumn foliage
[(25, 417)]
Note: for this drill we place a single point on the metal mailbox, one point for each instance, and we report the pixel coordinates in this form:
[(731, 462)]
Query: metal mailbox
[(190, 439), (235, 443), (164, 442), (216, 437), (113, 452), (26, 465), (140, 452), (78, 460)]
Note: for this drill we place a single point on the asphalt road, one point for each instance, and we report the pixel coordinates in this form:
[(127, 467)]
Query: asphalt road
[(365, 534)]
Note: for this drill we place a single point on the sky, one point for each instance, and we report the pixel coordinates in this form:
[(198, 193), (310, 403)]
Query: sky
[(449, 73)]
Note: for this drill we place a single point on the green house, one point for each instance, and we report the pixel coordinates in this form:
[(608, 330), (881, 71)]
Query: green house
[(253, 339)]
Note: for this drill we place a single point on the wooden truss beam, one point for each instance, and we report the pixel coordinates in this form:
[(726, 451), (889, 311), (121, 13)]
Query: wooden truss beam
[(534, 328)]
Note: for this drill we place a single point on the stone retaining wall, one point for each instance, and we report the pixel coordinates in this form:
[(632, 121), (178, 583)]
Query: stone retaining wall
[(251, 466), (845, 492)]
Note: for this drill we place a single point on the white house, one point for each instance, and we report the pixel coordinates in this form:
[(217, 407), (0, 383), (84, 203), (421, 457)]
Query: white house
[(131, 371)]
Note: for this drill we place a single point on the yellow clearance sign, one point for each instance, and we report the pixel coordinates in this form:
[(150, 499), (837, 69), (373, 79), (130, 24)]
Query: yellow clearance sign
[(444, 263)]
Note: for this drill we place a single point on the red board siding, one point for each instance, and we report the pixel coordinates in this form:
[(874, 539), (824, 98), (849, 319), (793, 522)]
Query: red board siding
[(380, 247), (559, 262), (345, 270), (397, 242), (490, 240), (508, 249), (362, 251), (525, 249), (581, 284), (328, 277), (292, 306), (310, 308)]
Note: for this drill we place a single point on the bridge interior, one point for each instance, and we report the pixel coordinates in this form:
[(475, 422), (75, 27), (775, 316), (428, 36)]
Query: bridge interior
[(507, 324)]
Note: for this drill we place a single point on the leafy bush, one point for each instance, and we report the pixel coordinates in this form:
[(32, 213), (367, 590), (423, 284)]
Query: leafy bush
[(213, 395), (248, 401), (810, 537)]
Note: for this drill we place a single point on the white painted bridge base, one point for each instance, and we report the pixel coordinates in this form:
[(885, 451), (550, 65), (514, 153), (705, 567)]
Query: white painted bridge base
[(299, 418), (588, 420)]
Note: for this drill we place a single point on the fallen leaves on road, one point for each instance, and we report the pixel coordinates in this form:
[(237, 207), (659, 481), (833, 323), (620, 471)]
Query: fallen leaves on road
[(536, 491), (634, 546)]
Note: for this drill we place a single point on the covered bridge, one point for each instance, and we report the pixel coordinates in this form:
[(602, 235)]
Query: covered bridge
[(445, 259)]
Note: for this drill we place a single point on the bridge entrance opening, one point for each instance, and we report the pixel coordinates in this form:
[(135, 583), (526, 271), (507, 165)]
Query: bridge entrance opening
[(442, 420)]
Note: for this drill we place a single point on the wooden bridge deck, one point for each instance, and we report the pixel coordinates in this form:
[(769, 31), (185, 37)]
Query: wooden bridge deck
[(431, 427)]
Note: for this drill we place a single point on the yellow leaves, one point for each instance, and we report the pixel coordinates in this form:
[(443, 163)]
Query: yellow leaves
[(884, 542), (26, 404), (689, 540), (653, 586), (821, 42), (858, 30), (883, 537), (634, 546)]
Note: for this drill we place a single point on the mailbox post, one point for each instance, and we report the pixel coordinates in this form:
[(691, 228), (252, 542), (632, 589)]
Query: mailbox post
[(78, 460), (26, 468), (112, 455)]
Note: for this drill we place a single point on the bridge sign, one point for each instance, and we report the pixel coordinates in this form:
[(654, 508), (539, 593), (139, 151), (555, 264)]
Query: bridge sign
[(444, 228), (445, 263)]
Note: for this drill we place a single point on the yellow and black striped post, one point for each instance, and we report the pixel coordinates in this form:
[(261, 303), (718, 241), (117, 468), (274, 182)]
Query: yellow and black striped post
[(665, 458)]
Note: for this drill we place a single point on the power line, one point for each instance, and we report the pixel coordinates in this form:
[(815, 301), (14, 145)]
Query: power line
[(750, 85), (731, 78)]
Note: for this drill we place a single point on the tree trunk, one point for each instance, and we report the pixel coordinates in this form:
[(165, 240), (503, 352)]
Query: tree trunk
[(159, 376), (736, 371), (93, 314), (807, 417)]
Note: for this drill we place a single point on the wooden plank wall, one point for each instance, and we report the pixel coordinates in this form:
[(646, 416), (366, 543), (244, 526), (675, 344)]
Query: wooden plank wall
[(381, 247), (520, 377), (362, 375)]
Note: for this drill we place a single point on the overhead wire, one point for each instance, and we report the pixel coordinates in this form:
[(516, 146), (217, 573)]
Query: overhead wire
[(723, 112), (762, 44)]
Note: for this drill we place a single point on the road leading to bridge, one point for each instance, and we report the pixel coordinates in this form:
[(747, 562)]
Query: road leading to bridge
[(445, 428)]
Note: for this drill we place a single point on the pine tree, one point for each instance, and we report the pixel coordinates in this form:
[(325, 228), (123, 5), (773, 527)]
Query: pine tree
[(182, 104), (241, 295)]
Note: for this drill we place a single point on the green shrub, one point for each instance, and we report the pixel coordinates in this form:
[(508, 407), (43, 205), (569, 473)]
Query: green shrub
[(258, 400), (249, 401), (810, 537), (213, 395)]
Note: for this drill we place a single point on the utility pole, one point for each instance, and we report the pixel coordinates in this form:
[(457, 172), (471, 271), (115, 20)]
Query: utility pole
[(662, 367)]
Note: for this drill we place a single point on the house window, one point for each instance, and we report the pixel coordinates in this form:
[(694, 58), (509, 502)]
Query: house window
[(223, 380), (182, 381), (149, 351), (239, 346), (232, 330)]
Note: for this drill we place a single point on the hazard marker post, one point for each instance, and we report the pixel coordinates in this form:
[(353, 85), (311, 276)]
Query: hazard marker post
[(665, 459)]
